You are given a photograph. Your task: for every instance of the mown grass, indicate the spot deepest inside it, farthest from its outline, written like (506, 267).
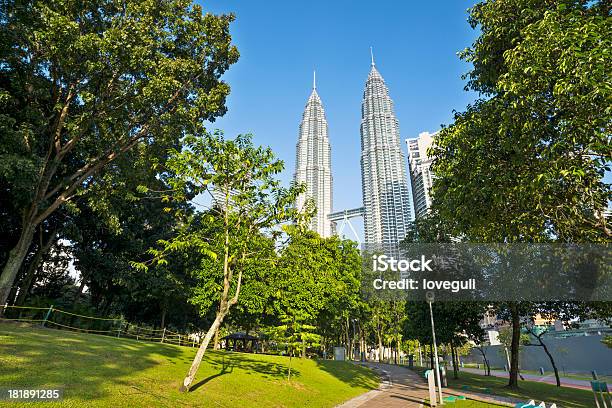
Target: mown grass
(562, 396)
(99, 371)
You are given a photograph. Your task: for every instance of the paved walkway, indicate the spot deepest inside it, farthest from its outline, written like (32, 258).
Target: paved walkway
(403, 388)
(400, 387)
(549, 378)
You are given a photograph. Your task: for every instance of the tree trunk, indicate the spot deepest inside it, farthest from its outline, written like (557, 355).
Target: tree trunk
(514, 349)
(397, 348)
(552, 361)
(216, 340)
(201, 350)
(43, 249)
(163, 318)
(380, 348)
(224, 304)
(14, 261)
(486, 361)
(453, 357)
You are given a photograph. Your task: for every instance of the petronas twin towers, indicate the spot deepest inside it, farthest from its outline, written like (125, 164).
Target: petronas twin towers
(313, 163)
(386, 207)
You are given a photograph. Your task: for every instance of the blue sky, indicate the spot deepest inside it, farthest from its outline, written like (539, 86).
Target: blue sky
(282, 42)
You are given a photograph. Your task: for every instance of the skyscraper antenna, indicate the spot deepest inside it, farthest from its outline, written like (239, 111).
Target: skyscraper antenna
(372, 55)
(314, 79)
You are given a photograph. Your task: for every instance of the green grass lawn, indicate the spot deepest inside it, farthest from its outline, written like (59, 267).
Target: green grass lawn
(99, 371)
(563, 396)
(584, 377)
(576, 376)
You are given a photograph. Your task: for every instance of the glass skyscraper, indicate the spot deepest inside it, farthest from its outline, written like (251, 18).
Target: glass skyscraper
(383, 167)
(421, 177)
(313, 163)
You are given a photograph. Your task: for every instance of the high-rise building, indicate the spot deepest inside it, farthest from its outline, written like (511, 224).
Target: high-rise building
(383, 167)
(420, 171)
(313, 163)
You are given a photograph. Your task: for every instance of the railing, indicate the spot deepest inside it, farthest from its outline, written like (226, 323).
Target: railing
(116, 327)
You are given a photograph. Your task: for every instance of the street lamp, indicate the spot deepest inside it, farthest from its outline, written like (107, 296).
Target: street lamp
(430, 299)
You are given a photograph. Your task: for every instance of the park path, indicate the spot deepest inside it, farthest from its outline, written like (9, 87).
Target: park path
(400, 387)
(548, 379)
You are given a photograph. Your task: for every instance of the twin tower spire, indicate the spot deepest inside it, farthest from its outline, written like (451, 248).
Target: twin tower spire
(383, 168)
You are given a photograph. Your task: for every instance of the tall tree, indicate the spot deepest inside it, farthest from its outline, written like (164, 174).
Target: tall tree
(527, 164)
(81, 83)
(248, 201)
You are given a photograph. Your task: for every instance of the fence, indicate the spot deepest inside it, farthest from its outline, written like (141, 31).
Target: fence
(116, 327)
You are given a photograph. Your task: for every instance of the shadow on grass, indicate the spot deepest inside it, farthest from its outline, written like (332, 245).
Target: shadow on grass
(82, 364)
(349, 373)
(251, 363)
(227, 367)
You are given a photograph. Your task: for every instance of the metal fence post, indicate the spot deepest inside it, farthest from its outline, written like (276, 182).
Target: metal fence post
(47, 315)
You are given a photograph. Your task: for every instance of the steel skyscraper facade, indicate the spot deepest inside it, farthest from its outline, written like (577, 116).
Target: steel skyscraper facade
(383, 167)
(313, 163)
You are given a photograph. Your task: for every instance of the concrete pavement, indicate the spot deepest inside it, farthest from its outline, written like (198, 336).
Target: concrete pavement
(400, 387)
(403, 388)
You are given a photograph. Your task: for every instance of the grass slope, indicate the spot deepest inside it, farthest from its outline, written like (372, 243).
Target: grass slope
(99, 371)
(564, 397)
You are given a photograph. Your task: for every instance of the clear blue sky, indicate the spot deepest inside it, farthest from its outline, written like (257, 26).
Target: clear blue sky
(282, 42)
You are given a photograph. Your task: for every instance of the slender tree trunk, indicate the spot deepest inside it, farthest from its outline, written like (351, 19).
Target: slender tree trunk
(552, 360)
(14, 261)
(216, 339)
(43, 249)
(486, 361)
(224, 304)
(397, 348)
(453, 356)
(380, 348)
(163, 317)
(201, 350)
(514, 349)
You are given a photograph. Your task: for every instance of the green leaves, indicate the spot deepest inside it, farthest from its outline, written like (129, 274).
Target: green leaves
(527, 163)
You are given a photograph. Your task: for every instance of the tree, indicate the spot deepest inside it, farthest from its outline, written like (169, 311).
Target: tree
(247, 201)
(317, 279)
(83, 83)
(479, 343)
(526, 164)
(565, 312)
(295, 335)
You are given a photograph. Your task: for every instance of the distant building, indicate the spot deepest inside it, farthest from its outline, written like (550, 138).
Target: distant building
(420, 172)
(313, 163)
(386, 197)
